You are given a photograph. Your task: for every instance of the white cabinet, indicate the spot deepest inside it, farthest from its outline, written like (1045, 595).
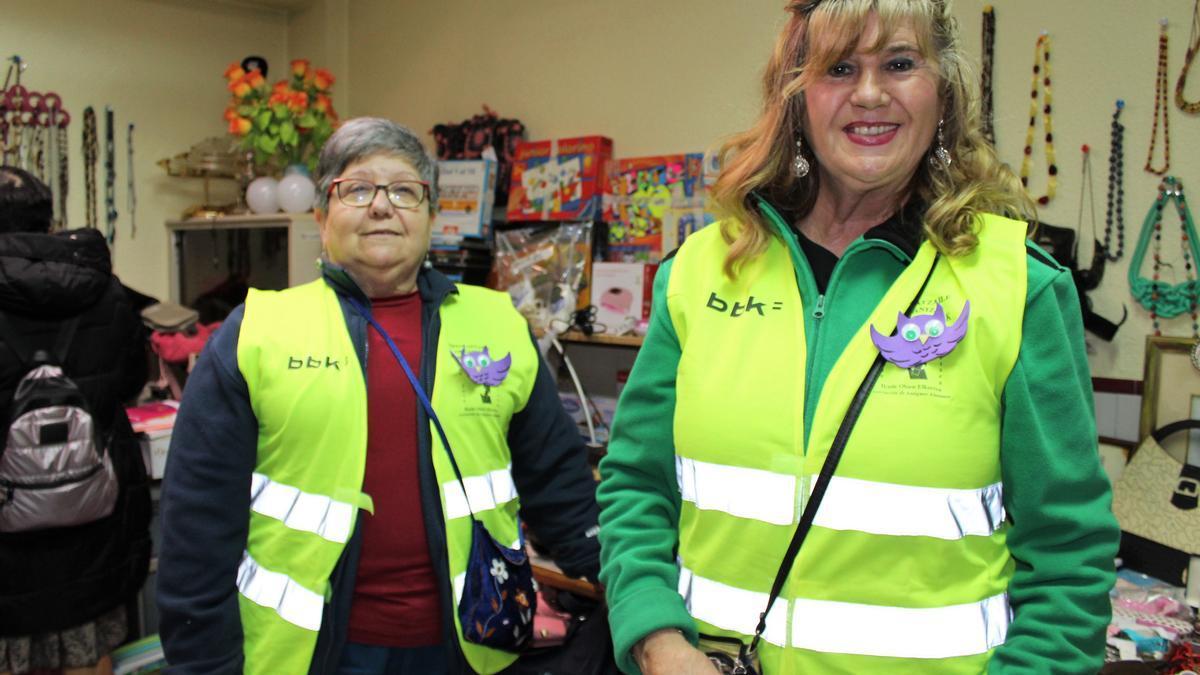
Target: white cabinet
(212, 257)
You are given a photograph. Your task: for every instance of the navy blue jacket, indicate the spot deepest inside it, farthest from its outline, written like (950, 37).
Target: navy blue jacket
(206, 496)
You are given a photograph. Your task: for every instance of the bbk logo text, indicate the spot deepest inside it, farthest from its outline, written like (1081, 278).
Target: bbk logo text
(751, 306)
(313, 362)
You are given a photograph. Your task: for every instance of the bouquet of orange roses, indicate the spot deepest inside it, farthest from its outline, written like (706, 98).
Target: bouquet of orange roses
(286, 124)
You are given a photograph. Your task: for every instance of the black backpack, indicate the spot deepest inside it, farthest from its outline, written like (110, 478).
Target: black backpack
(55, 470)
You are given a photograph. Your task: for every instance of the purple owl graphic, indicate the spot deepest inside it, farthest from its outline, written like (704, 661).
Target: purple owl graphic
(482, 369)
(922, 338)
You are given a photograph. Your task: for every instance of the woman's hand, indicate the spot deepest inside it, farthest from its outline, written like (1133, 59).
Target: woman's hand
(667, 652)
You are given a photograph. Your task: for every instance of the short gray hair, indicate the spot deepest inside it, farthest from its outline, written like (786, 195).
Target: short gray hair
(362, 137)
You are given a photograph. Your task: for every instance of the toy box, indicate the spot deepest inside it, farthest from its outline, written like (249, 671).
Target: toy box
(621, 293)
(652, 204)
(534, 181)
(581, 164)
(466, 193)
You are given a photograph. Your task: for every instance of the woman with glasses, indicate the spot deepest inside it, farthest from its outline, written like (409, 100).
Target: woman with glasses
(870, 292)
(312, 519)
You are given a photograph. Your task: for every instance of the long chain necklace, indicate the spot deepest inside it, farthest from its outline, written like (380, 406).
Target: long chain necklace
(64, 173)
(130, 196)
(1088, 279)
(90, 150)
(1166, 300)
(1041, 77)
(1114, 215)
(110, 178)
(1160, 103)
(1193, 47)
(989, 49)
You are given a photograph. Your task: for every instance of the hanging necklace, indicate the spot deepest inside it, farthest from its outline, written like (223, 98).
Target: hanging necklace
(1160, 103)
(1193, 46)
(130, 196)
(64, 166)
(989, 49)
(110, 178)
(1166, 300)
(1041, 77)
(1088, 279)
(90, 151)
(1114, 215)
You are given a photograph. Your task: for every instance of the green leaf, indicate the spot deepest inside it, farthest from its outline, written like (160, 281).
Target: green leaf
(307, 120)
(287, 132)
(245, 110)
(263, 119)
(280, 110)
(267, 144)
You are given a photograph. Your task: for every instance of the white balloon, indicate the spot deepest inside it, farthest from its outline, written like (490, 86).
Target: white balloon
(262, 195)
(297, 193)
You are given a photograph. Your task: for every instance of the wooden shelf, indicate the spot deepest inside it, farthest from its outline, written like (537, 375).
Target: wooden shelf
(601, 339)
(556, 579)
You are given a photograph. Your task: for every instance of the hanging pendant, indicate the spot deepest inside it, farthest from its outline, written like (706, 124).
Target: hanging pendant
(800, 166)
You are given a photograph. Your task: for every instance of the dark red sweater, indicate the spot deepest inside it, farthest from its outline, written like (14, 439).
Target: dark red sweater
(395, 593)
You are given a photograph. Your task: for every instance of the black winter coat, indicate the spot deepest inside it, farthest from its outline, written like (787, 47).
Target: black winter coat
(58, 578)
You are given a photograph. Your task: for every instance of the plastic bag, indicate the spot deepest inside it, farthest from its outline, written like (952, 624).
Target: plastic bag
(543, 269)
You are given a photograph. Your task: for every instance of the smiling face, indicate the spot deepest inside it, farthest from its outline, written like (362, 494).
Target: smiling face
(872, 115)
(378, 241)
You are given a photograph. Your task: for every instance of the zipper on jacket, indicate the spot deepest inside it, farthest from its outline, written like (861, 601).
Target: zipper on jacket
(819, 310)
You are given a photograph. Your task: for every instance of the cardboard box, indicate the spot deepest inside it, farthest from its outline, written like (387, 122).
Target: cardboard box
(652, 204)
(534, 184)
(466, 195)
(622, 293)
(581, 165)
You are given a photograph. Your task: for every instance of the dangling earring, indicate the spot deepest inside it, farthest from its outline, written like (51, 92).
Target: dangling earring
(940, 159)
(800, 166)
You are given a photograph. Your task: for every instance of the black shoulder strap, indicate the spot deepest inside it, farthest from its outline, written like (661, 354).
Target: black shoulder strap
(24, 351)
(827, 469)
(14, 341)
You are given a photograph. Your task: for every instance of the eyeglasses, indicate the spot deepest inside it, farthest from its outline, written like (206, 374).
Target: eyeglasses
(403, 194)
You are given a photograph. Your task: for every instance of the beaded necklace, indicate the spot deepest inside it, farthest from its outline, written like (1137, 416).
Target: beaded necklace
(130, 195)
(1166, 300)
(1041, 76)
(90, 151)
(1114, 215)
(989, 48)
(1160, 103)
(110, 178)
(1193, 47)
(64, 171)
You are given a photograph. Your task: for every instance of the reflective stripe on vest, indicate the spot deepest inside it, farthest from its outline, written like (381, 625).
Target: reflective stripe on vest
(849, 504)
(299, 510)
(908, 633)
(827, 626)
(483, 492)
(294, 603)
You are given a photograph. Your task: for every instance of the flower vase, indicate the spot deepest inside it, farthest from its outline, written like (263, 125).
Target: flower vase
(297, 192)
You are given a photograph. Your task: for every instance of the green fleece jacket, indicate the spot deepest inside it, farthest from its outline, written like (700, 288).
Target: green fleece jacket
(1063, 535)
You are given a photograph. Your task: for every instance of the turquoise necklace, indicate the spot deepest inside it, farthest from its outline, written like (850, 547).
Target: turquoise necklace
(1167, 300)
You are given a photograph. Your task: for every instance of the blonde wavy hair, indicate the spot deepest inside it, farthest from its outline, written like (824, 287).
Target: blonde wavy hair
(818, 35)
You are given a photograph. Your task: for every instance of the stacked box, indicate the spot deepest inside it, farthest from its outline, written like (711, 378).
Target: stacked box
(652, 204)
(558, 180)
(581, 164)
(466, 193)
(622, 293)
(534, 184)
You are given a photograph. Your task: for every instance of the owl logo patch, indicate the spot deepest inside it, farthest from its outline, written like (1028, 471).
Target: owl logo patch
(921, 338)
(482, 369)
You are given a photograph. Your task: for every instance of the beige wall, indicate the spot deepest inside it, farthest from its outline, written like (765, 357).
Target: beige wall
(682, 76)
(158, 63)
(678, 78)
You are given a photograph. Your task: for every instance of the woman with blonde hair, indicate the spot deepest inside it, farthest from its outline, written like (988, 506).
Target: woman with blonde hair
(859, 437)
